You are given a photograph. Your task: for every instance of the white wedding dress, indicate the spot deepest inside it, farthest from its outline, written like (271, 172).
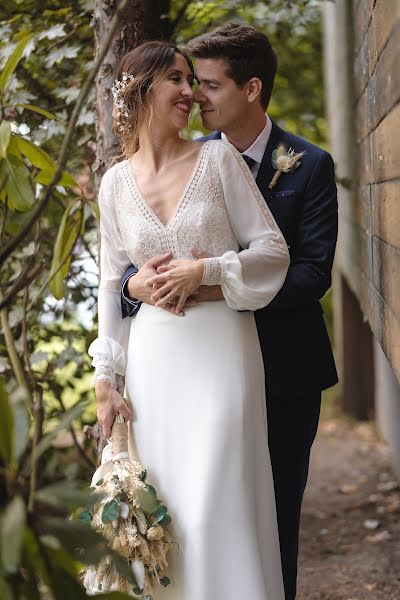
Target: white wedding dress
(196, 383)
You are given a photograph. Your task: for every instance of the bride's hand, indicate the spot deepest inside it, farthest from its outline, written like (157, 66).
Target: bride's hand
(179, 282)
(109, 403)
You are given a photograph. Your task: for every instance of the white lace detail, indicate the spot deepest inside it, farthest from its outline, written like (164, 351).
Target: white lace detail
(104, 373)
(200, 221)
(212, 271)
(110, 285)
(265, 242)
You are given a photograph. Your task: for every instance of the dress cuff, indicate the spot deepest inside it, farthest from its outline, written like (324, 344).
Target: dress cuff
(212, 274)
(108, 360)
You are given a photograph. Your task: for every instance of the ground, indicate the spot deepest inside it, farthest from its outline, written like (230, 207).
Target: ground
(350, 531)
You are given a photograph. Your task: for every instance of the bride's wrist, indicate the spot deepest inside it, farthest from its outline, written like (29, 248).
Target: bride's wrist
(102, 386)
(212, 271)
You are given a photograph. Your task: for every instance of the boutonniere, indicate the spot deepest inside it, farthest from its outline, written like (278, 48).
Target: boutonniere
(284, 162)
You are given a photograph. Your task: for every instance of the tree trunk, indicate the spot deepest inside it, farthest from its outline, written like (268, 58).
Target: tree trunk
(128, 35)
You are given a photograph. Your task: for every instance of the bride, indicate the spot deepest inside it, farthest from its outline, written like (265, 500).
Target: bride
(194, 377)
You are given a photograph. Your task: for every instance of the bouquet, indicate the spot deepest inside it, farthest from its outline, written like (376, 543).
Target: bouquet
(132, 518)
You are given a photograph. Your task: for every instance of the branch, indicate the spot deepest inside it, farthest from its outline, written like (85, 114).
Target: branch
(65, 149)
(24, 279)
(13, 354)
(37, 436)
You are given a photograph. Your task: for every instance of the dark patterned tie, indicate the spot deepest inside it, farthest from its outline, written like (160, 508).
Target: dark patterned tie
(250, 161)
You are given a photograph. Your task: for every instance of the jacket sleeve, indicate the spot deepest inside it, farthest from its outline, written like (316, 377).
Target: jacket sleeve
(129, 306)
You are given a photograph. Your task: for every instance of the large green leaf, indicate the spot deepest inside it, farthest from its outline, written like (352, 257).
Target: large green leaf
(5, 136)
(58, 555)
(68, 417)
(13, 147)
(18, 184)
(39, 110)
(65, 586)
(68, 233)
(6, 426)
(45, 177)
(12, 528)
(36, 155)
(33, 557)
(86, 545)
(13, 61)
(21, 425)
(95, 208)
(66, 494)
(79, 539)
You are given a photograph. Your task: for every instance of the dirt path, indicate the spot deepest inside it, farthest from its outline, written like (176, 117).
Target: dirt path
(350, 534)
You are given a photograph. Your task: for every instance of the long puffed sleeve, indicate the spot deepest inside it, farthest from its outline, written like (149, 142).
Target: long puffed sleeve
(109, 349)
(251, 278)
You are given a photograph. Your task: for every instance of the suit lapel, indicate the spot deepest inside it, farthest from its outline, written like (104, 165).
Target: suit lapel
(266, 170)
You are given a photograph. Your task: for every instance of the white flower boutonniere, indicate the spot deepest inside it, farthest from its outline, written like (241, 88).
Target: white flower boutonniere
(284, 162)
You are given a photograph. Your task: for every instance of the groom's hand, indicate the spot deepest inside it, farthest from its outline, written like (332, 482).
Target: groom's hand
(137, 287)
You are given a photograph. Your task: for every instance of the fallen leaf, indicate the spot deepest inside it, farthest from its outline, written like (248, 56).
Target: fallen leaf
(371, 524)
(348, 488)
(388, 486)
(370, 586)
(382, 536)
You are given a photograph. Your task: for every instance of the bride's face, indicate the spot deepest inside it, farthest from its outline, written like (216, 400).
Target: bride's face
(172, 96)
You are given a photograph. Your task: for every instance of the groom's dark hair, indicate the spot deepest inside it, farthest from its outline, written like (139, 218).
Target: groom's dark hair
(247, 52)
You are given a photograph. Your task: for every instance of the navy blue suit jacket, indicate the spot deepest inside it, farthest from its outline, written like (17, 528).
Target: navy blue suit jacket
(295, 345)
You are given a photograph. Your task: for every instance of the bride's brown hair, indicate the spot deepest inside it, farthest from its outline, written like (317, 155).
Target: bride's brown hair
(146, 64)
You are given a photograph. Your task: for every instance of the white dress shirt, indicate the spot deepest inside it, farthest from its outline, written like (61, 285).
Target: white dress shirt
(257, 148)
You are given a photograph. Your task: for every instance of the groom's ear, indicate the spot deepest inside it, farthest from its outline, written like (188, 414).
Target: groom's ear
(254, 86)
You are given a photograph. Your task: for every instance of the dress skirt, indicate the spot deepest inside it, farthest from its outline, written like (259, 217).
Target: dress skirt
(196, 385)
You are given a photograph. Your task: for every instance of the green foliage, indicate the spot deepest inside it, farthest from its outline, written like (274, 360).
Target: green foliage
(72, 226)
(6, 427)
(13, 61)
(41, 555)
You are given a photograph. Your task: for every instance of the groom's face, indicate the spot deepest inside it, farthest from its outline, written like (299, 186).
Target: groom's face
(223, 103)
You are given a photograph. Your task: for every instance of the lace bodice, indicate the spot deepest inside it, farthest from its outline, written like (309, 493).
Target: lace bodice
(220, 211)
(200, 219)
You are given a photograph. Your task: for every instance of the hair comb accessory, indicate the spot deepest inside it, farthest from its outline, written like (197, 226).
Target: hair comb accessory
(120, 107)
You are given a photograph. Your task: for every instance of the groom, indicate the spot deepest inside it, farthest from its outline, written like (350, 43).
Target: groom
(235, 67)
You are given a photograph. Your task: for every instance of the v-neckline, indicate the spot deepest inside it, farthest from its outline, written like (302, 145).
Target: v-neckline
(181, 200)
